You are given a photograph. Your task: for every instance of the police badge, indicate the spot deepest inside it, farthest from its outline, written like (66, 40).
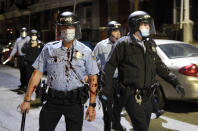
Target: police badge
(78, 55)
(154, 49)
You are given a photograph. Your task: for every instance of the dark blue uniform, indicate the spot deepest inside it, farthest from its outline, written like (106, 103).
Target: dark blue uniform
(31, 55)
(137, 66)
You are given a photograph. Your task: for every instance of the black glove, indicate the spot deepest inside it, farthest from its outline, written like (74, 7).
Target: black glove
(104, 98)
(107, 103)
(180, 89)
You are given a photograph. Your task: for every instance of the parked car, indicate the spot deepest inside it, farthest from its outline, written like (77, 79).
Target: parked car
(182, 59)
(5, 53)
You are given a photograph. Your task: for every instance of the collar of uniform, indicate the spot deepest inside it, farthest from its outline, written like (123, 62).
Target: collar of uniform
(65, 48)
(109, 42)
(137, 40)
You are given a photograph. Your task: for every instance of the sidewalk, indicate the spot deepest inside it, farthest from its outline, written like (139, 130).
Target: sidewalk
(195, 43)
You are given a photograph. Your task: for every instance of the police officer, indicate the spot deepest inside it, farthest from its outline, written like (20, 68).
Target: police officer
(66, 62)
(138, 63)
(32, 49)
(20, 56)
(101, 52)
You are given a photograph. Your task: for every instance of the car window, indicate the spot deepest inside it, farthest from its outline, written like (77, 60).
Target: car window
(179, 50)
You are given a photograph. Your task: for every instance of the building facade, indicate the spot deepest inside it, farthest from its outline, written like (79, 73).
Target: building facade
(94, 15)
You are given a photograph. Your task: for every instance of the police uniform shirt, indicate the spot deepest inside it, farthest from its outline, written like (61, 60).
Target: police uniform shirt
(102, 51)
(18, 45)
(62, 73)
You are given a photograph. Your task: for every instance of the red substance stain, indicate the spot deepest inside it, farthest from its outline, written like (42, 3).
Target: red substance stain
(93, 92)
(34, 89)
(68, 54)
(51, 78)
(55, 58)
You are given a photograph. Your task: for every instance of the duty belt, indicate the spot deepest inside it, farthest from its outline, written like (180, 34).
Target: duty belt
(139, 93)
(62, 94)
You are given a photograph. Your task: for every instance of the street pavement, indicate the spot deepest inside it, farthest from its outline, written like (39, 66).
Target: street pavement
(10, 118)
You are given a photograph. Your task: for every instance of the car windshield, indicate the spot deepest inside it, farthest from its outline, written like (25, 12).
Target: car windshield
(177, 50)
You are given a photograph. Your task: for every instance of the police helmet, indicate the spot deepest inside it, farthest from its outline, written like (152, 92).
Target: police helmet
(111, 26)
(70, 19)
(33, 32)
(138, 17)
(23, 29)
(23, 32)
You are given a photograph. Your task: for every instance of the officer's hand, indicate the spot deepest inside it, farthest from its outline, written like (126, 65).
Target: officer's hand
(25, 106)
(91, 113)
(103, 98)
(34, 44)
(180, 89)
(10, 58)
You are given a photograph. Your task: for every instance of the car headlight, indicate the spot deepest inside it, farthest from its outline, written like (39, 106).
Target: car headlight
(5, 50)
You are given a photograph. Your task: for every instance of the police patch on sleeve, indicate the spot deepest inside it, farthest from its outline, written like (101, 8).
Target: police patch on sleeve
(93, 56)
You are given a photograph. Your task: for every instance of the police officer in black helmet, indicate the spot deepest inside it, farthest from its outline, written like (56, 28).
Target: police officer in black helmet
(32, 49)
(19, 43)
(137, 61)
(102, 51)
(66, 62)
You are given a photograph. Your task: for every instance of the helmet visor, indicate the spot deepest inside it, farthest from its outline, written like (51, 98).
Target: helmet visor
(148, 20)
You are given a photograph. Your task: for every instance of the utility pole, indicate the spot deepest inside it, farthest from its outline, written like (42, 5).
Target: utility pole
(188, 24)
(174, 12)
(136, 5)
(74, 8)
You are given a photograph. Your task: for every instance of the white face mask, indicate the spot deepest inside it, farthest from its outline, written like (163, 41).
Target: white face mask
(145, 32)
(34, 38)
(24, 34)
(68, 34)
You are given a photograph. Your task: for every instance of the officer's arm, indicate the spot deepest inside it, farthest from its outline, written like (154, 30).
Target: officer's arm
(33, 83)
(96, 52)
(109, 69)
(165, 73)
(14, 50)
(93, 85)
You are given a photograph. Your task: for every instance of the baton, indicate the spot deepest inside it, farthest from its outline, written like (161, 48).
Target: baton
(6, 61)
(23, 121)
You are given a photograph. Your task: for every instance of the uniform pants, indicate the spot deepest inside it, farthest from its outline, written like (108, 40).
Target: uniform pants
(117, 109)
(22, 69)
(139, 114)
(113, 122)
(51, 113)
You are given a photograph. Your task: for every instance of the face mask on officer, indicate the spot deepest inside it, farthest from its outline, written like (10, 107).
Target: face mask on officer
(68, 34)
(24, 34)
(34, 37)
(144, 29)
